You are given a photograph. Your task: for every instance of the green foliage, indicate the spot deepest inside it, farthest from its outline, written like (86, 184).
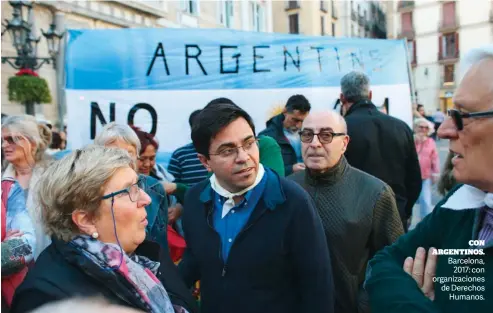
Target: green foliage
(28, 89)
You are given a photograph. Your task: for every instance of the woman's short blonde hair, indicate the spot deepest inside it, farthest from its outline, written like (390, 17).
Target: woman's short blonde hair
(112, 132)
(420, 121)
(76, 182)
(37, 133)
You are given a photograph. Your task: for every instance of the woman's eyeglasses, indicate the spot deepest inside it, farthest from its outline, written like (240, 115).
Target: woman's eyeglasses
(133, 191)
(458, 116)
(324, 137)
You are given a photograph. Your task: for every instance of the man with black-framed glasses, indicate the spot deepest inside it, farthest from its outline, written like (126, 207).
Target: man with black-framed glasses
(358, 211)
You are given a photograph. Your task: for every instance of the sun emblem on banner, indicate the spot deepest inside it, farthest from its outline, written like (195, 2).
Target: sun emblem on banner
(276, 109)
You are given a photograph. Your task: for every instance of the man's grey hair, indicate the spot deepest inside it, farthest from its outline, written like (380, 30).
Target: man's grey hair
(76, 182)
(113, 131)
(473, 57)
(355, 86)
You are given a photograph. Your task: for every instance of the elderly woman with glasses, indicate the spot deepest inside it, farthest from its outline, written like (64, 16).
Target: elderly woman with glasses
(429, 163)
(445, 264)
(123, 137)
(94, 208)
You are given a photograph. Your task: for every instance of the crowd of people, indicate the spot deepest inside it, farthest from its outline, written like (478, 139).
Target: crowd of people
(310, 215)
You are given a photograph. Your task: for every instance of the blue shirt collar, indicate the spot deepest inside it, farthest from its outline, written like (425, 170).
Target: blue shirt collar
(272, 196)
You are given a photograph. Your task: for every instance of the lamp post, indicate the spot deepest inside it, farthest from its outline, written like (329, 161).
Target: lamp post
(25, 42)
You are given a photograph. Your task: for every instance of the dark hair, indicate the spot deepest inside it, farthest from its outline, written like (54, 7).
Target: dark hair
(298, 102)
(221, 100)
(145, 139)
(56, 141)
(420, 106)
(212, 119)
(193, 116)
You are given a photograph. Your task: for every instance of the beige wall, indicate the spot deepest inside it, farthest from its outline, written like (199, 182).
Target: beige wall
(309, 17)
(109, 14)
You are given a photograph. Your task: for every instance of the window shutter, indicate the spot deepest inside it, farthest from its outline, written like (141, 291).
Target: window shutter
(440, 47)
(414, 52)
(448, 13)
(457, 51)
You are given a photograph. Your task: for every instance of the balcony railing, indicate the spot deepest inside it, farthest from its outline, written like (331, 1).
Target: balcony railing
(448, 57)
(444, 27)
(291, 5)
(409, 34)
(405, 5)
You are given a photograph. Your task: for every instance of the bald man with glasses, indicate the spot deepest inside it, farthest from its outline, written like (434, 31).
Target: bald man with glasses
(358, 211)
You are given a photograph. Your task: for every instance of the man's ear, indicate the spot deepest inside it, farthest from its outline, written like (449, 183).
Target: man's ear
(341, 97)
(370, 95)
(205, 161)
(84, 221)
(345, 141)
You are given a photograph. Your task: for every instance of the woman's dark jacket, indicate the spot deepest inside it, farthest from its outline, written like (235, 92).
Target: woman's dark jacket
(62, 272)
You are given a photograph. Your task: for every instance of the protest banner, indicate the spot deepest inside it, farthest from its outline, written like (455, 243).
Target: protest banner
(154, 78)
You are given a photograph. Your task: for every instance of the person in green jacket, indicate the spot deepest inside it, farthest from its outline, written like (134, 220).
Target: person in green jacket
(446, 263)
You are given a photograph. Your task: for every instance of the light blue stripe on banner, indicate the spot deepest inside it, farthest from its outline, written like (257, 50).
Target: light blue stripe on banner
(122, 59)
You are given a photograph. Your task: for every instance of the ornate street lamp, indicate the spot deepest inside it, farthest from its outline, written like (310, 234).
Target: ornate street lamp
(25, 41)
(26, 87)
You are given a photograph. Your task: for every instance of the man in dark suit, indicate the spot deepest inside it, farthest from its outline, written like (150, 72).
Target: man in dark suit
(381, 145)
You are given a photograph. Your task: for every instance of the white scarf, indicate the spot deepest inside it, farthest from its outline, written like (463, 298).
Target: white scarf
(469, 197)
(230, 202)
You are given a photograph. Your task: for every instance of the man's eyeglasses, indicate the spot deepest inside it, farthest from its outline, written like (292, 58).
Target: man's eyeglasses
(133, 191)
(232, 152)
(324, 137)
(458, 116)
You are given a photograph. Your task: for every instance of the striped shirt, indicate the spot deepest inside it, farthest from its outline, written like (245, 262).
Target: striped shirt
(186, 167)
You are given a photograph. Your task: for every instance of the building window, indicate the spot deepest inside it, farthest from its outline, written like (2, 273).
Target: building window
(364, 14)
(334, 29)
(322, 25)
(449, 74)
(323, 6)
(352, 30)
(190, 6)
(449, 46)
(257, 17)
(448, 14)
(226, 13)
(294, 24)
(293, 5)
